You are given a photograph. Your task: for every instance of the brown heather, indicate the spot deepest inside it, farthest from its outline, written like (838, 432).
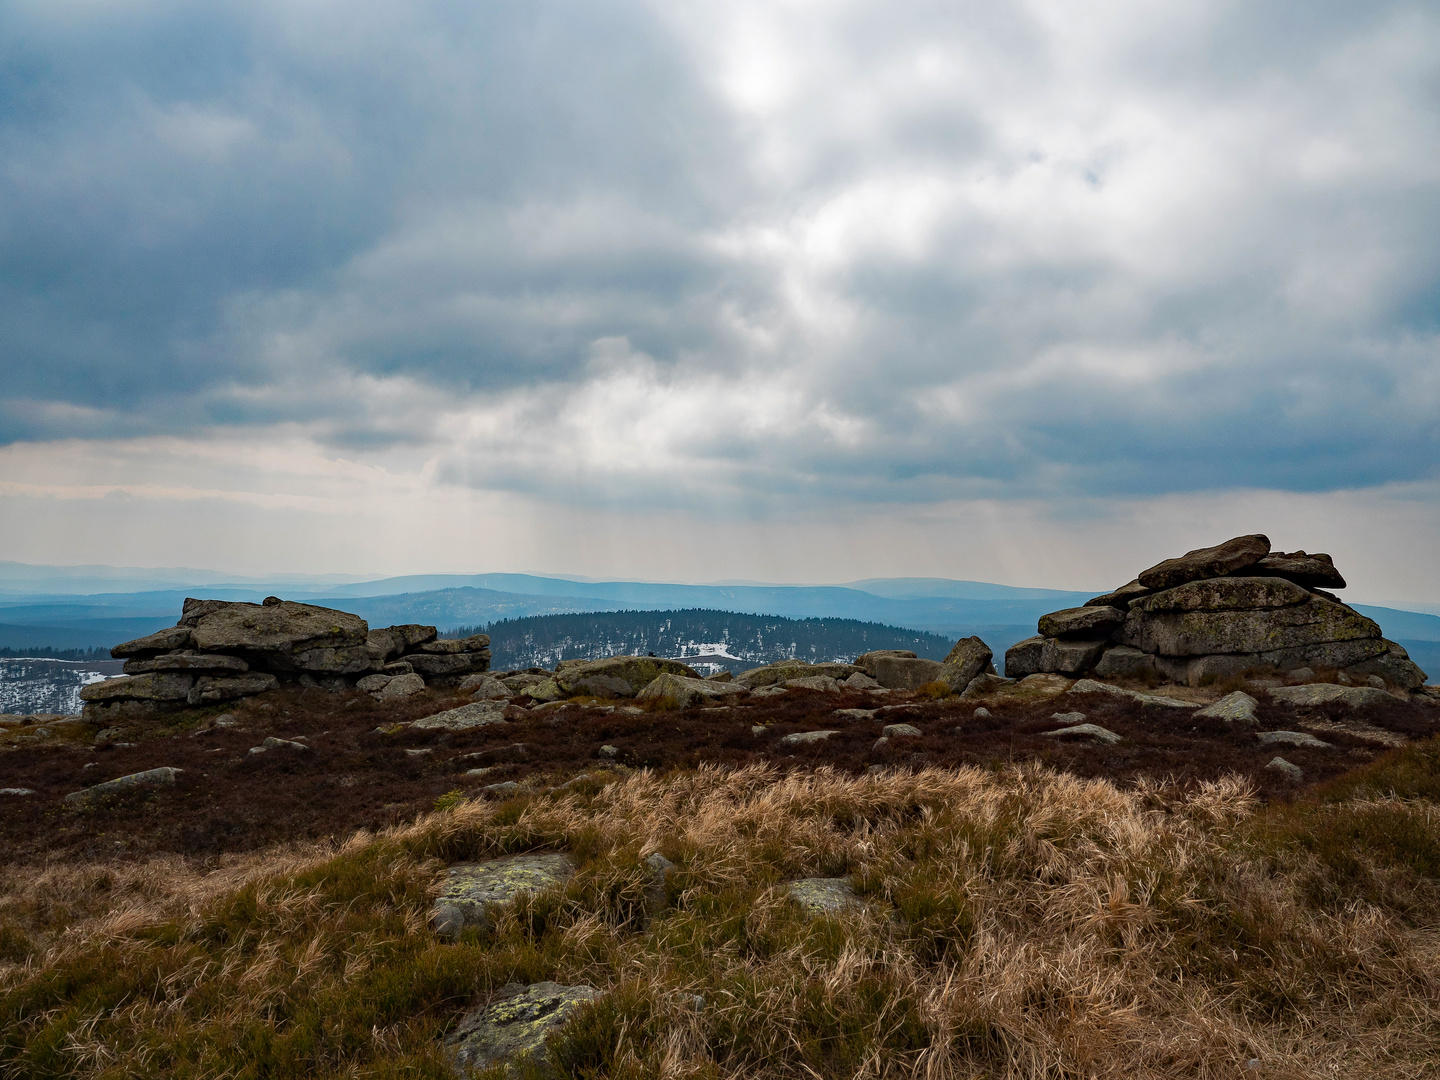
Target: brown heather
(1019, 922)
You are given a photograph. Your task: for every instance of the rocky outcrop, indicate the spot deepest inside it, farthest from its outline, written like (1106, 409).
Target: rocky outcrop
(222, 650)
(616, 676)
(1213, 613)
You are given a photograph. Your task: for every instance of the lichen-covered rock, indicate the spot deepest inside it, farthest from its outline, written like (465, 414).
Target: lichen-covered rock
(150, 778)
(171, 639)
(1024, 657)
(401, 686)
(186, 660)
(1286, 769)
(985, 685)
(1238, 707)
(682, 692)
(1224, 594)
(1394, 666)
(544, 691)
(1125, 662)
(210, 689)
(783, 671)
(1355, 697)
(470, 887)
(1205, 633)
(823, 896)
(476, 714)
(513, 1028)
(456, 666)
(1209, 562)
(1081, 622)
(617, 676)
(905, 673)
(866, 661)
(279, 629)
(968, 658)
(327, 660)
(156, 686)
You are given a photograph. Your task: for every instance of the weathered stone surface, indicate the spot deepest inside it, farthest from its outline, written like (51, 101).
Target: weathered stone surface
(513, 1029)
(1024, 657)
(783, 671)
(1313, 571)
(401, 686)
(483, 686)
(545, 691)
(617, 676)
(1043, 684)
(866, 661)
(1069, 657)
(1125, 662)
(372, 683)
(393, 641)
(1121, 597)
(470, 887)
(1206, 633)
(1224, 594)
(448, 665)
(1291, 738)
(984, 686)
(683, 692)
(279, 629)
(170, 639)
(272, 743)
(896, 731)
(1196, 671)
(522, 681)
(823, 896)
(186, 660)
(476, 714)
(803, 738)
(1393, 666)
(1085, 731)
(150, 778)
(157, 686)
(821, 684)
(905, 673)
(209, 689)
(1091, 686)
(855, 714)
(1208, 562)
(1238, 707)
(1082, 622)
(1280, 765)
(861, 681)
(968, 658)
(1324, 693)
(326, 660)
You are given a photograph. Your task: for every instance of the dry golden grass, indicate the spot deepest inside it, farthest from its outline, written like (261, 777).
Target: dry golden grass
(1017, 923)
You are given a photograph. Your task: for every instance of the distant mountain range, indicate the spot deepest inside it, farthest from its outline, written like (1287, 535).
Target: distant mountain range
(86, 607)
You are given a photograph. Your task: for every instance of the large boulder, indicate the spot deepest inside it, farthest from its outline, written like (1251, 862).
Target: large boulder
(1025, 657)
(157, 686)
(681, 692)
(1256, 630)
(782, 671)
(1313, 571)
(442, 667)
(1069, 657)
(616, 676)
(866, 661)
(1393, 665)
(968, 659)
(278, 629)
(1092, 621)
(906, 673)
(1224, 594)
(1208, 562)
(170, 639)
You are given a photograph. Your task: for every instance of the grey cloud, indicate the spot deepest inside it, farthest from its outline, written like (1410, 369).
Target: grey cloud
(939, 251)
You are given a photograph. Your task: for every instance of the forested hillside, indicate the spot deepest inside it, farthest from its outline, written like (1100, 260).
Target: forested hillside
(718, 638)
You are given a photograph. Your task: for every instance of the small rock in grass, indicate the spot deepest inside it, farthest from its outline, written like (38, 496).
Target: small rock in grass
(875, 770)
(801, 738)
(272, 743)
(1069, 717)
(861, 681)
(982, 713)
(823, 896)
(1237, 707)
(401, 686)
(515, 1027)
(484, 770)
(759, 729)
(1291, 738)
(892, 731)
(1280, 765)
(470, 887)
(224, 720)
(1085, 731)
(421, 752)
(854, 714)
(150, 778)
(1300, 674)
(16, 791)
(608, 751)
(880, 744)
(1325, 693)
(503, 788)
(476, 714)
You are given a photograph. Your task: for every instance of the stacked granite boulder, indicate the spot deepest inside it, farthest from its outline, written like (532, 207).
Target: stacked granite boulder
(1216, 612)
(221, 650)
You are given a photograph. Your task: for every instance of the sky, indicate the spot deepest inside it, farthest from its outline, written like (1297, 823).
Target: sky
(1030, 292)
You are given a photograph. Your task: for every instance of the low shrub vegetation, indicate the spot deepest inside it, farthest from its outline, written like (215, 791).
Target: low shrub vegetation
(1010, 921)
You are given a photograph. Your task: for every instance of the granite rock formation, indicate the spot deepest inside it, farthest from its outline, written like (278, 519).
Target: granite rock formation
(1216, 612)
(221, 650)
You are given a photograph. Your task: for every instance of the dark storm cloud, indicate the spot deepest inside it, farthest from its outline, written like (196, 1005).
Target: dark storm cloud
(631, 254)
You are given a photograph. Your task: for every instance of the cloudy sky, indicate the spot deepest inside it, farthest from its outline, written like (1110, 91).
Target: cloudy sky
(1035, 292)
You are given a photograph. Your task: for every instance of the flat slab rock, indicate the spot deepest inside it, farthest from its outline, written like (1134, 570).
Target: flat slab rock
(1291, 738)
(1093, 686)
(1085, 731)
(476, 714)
(469, 887)
(823, 896)
(1325, 693)
(1237, 707)
(801, 738)
(150, 778)
(514, 1027)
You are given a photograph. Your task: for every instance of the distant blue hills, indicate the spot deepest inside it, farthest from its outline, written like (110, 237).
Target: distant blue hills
(86, 607)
